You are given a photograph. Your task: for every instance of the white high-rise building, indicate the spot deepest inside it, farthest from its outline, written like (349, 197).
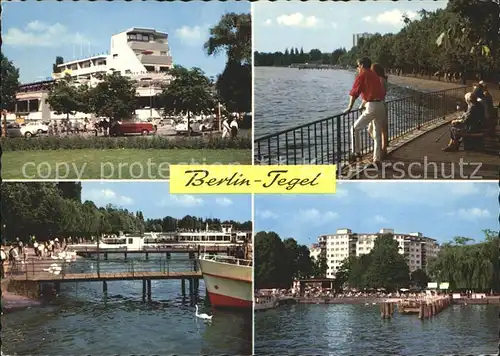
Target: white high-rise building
(344, 243)
(357, 36)
(141, 54)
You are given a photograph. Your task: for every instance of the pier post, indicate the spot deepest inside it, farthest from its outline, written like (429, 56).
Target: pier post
(149, 290)
(105, 256)
(143, 290)
(195, 265)
(191, 255)
(105, 288)
(421, 312)
(183, 287)
(191, 288)
(125, 255)
(147, 255)
(58, 288)
(168, 255)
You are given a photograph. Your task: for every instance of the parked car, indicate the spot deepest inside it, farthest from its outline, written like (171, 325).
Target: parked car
(26, 130)
(196, 126)
(122, 128)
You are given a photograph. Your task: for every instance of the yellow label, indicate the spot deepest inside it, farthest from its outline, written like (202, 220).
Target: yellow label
(216, 179)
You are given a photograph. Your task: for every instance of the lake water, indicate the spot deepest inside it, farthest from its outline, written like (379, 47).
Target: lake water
(288, 97)
(359, 330)
(82, 322)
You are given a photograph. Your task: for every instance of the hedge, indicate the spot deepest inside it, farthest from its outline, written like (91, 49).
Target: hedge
(138, 142)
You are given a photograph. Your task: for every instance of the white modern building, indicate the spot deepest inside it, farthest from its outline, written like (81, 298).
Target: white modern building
(357, 36)
(344, 243)
(139, 53)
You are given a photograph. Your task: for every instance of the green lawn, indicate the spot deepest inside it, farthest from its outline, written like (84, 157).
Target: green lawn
(111, 163)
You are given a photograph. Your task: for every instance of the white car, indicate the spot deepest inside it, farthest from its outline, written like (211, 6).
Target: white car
(26, 130)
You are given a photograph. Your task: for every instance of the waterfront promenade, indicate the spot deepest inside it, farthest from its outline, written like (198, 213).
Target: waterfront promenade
(418, 131)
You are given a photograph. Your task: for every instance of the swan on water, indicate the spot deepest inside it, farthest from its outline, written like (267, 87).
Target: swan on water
(203, 316)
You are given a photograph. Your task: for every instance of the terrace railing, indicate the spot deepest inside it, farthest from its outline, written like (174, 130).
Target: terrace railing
(328, 140)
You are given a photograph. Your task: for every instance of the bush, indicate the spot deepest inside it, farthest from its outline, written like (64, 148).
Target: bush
(138, 142)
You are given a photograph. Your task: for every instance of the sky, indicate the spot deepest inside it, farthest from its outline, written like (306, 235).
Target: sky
(34, 33)
(439, 210)
(328, 26)
(154, 200)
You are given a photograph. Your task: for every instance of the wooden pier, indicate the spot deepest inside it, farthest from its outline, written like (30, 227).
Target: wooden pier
(51, 273)
(425, 308)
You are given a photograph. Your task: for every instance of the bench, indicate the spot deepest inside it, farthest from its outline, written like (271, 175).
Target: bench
(487, 139)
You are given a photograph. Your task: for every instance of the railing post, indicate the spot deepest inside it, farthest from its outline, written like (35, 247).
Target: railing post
(33, 266)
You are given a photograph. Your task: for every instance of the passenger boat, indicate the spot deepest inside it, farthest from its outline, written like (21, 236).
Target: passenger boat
(226, 237)
(229, 279)
(265, 302)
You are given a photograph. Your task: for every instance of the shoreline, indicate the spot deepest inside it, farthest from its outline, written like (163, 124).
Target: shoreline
(377, 300)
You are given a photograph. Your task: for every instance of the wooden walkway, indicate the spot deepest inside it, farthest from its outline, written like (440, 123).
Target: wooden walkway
(105, 276)
(422, 158)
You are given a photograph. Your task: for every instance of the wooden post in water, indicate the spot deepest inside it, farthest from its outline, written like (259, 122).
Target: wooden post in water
(149, 290)
(105, 256)
(191, 288)
(183, 287)
(421, 311)
(125, 255)
(147, 255)
(105, 288)
(58, 288)
(143, 290)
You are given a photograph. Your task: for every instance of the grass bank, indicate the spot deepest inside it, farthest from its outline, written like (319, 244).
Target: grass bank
(122, 163)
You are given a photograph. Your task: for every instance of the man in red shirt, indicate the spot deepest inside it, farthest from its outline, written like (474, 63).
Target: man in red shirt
(369, 86)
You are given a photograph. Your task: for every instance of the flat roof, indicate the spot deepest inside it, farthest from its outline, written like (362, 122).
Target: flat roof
(84, 59)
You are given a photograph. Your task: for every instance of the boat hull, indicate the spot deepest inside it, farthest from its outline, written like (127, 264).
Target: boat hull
(228, 285)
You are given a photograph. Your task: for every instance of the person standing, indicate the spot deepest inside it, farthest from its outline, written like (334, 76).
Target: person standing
(367, 85)
(226, 129)
(379, 70)
(234, 127)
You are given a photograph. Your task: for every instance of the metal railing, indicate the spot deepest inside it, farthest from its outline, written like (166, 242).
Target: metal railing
(51, 269)
(328, 140)
(174, 247)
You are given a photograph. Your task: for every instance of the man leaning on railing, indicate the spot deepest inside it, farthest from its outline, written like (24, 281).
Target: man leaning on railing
(367, 85)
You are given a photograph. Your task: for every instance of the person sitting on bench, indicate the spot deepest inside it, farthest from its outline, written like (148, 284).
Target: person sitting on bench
(470, 122)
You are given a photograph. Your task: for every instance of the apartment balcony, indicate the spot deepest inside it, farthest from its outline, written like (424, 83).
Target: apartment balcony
(149, 46)
(149, 59)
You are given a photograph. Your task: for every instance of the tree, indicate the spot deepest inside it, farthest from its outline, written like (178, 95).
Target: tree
(469, 266)
(234, 87)
(271, 268)
(63, 97)
(233, 35)
(388, 269)
(419, 278)
(9, 86)
(70, 190)
(54, 209)
(113, 97)
(188, 92)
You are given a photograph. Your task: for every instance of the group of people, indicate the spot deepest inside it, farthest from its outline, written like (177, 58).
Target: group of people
(17, 253)
(371, 85)
(480, 116)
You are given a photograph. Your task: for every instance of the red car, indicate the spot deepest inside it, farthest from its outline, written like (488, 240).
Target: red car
(132, 128)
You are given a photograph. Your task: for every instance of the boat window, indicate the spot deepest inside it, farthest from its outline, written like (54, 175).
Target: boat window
(130, 241)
